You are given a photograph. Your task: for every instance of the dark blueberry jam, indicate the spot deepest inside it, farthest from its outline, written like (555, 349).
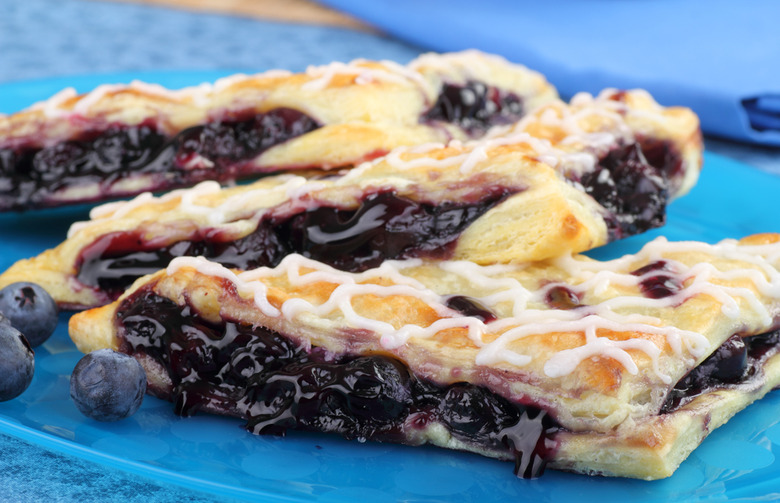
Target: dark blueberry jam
(663, 156)
(264, 378)
(632, 191)
(660, 285)
(657, 266)
(735, 362)
(562, 297)
(385, 226)
(469, 306)
(212, 151)
(475, 107)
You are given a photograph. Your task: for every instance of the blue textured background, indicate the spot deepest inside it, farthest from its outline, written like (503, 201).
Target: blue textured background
(45, 38)
(41, 39)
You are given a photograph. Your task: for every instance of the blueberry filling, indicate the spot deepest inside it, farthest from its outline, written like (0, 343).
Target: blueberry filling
(662, 155)
(264, 378)
(737, 361)
(562, 297)
(385, 226)
(469, 306)
(632, 191)
(658, 286)
(654, 286)
(29, 176)
(475, 107)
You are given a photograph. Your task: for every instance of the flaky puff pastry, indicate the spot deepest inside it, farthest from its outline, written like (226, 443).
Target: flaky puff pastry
(599, 346)
(121, 140)
(523, 198)
(670, 137)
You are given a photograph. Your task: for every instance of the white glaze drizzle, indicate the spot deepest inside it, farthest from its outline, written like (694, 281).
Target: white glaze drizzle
(188, 202)
(501, 288)
(200, 95)
(765, 278)
(470, 160)
(392, 72)
(231, 80)
(87, 101)
(469, 62)
(52, 106)
(588, 145)
(469, 157)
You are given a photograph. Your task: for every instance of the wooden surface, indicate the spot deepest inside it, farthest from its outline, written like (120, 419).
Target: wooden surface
(297, 11)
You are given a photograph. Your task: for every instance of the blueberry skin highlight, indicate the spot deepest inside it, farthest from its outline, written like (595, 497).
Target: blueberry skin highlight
(31, 310)
(107, 385)
(17, 362)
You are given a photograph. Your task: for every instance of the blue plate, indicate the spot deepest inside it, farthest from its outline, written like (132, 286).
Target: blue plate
(215, 455)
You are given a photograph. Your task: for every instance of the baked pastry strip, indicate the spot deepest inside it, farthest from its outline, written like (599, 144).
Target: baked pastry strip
(121, 140)
(670, 137)
(511, 198)
(615, 368)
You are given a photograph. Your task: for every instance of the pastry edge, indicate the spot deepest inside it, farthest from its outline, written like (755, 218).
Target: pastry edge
(649, 448)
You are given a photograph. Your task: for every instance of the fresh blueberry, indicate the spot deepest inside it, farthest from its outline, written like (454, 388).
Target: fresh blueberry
(107, 385)
(17, 363)
(30, 309)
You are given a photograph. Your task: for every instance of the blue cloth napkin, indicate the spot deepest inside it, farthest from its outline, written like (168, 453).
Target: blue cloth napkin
(719, 57)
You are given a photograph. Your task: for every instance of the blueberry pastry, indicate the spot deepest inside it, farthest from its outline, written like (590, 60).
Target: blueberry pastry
(121, 140)
(670, 137)
(582, 181)
(616, 368)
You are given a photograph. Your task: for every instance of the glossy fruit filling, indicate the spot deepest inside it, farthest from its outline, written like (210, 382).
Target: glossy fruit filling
(384, 226)
(633, 192)
(469, 306)
(475, 107)
(663, 156)
(266, 379)
(214, 151)
(661, 283)
(562, 297)
(275, 385)
(30, 176)
(737, 361)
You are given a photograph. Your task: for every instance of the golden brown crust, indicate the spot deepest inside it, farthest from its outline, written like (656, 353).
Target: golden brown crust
(602, 370)
(653, 448)
(545, 216)
(334, 116)
(627, 114)
(379, 103)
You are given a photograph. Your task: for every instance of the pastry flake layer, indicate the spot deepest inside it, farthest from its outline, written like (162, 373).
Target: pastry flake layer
(121, 140)
(565, 179)
(615, 368)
